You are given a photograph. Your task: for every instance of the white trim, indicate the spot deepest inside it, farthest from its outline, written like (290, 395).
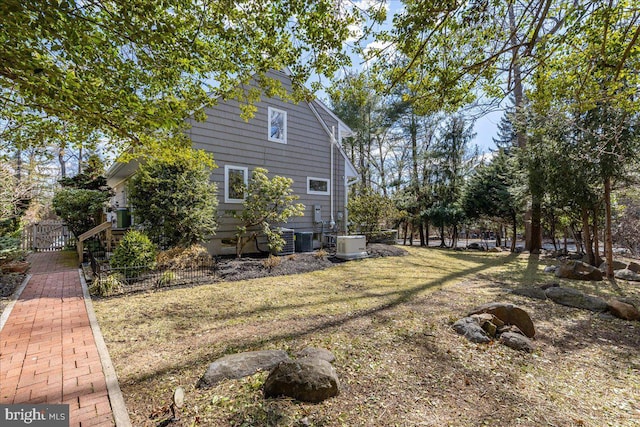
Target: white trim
(282, 140)
(227, 168)
(318, 193)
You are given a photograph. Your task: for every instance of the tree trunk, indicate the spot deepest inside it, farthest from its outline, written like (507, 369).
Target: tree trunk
(608, 238)
(596, 240)
(421, 231)
(586, 236)
(406, 228)
(426, 227)
(63, 166)
(514, 221)
(534, 237)
(443, 244)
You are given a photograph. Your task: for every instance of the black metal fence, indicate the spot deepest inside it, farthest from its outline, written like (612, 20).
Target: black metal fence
(142, 278)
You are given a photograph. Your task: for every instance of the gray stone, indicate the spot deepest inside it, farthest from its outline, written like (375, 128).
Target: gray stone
(240, 365)
(517, 342)
(623, 310)
(495, 249)
(316, 353)
(471, 330)
(617, 265)
(509, 314)
(627, 274)
(574, 298)
(550, 268)
(577, 270)
(307, 380)
(634, 266)
(535, 293)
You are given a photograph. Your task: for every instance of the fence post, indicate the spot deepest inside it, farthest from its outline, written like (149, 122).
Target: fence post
(34, 238)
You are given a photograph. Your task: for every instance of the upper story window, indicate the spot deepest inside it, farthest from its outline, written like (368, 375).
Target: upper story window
(277, 125)
(318, 186)
(235, 182)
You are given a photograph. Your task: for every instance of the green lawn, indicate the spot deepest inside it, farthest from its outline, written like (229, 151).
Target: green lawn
(388, 321)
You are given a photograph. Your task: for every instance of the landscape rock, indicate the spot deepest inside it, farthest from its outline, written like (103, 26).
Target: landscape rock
(617, 265)
(627, 274)
(577, 270)
(634, 266)
(316, 353)
(550, 268)
(240, 365)
(475, 246)
(535, 293)
(495, 249)
(307, 380)
(471, 330)
(623, 310)
(574, 298)
(509, 314)
(517, 342)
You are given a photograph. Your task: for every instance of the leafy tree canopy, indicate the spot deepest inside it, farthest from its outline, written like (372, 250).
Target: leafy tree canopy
(132, 68)
(174, 199)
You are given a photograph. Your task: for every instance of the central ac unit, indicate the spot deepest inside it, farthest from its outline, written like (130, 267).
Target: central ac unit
(289, 241)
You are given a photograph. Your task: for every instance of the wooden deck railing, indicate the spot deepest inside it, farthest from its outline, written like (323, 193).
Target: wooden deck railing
(105, 226)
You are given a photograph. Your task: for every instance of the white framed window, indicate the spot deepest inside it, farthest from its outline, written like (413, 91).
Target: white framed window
(319, 186)
(277, 125)
(236, 179)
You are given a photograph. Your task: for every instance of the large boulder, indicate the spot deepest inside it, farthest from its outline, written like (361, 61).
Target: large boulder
(308, 380)
(577, 270)
(634, 266)
(617, 265)
(316, 353)
(509, 314)
(623, 310)
(574, 298)
(536, 293)
(627, 274)
(240, 365)
(517, 341)
(471, 330)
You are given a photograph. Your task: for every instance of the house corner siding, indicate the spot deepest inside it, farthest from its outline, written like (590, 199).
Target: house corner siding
(307, 153)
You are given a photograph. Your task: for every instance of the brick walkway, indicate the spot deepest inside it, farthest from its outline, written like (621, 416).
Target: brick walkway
(48, 353)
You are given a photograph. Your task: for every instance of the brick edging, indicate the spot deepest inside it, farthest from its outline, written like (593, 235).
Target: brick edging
(118, 407)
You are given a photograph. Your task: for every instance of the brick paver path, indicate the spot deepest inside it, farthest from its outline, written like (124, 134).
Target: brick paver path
(47, 350)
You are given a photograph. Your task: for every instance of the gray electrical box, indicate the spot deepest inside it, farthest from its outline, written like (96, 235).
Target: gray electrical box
(317, 213)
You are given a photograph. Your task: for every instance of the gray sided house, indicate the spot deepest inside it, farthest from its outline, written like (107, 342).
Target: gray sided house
(301, 141)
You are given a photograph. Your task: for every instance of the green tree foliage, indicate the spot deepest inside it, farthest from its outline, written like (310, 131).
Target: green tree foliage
(81, 209)
(14, 200)
(369, 213)
(488, 192)
(135, 253)
(129, 69)
(173, 198)
(268, 202)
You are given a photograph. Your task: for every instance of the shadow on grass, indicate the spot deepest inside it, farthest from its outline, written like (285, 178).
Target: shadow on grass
(396, 297)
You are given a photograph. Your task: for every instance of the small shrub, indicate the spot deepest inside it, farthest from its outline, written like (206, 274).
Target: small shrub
(107, 285)
(167, 278)
(321, 253)
(180, 258)
(134, 253)
(271, 262)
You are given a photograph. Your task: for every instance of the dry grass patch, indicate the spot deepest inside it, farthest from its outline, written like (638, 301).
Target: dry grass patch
(388, 321)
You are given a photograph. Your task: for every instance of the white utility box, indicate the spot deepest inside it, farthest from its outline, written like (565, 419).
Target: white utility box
(351, 247)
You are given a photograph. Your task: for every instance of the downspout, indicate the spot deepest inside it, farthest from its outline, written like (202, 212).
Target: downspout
(332, 224)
